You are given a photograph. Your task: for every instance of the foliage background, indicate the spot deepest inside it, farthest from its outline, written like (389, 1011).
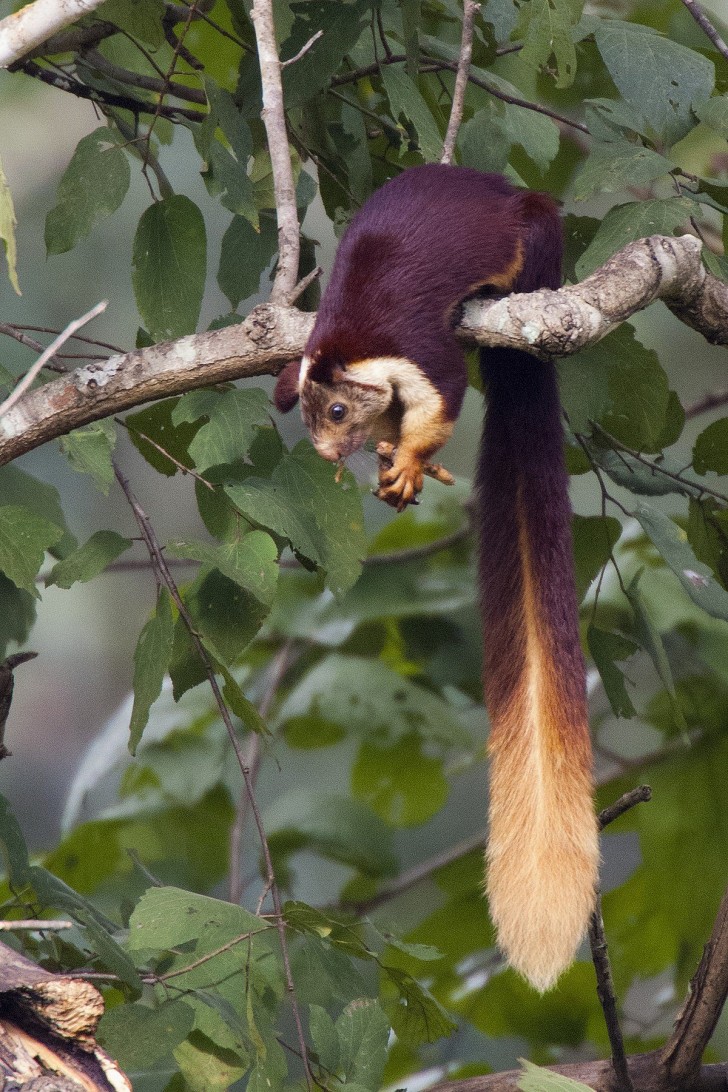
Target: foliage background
(428, 615)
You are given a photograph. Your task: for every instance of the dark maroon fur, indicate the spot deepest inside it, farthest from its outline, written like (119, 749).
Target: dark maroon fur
(522, 455)
(418, 246)
(285, 394)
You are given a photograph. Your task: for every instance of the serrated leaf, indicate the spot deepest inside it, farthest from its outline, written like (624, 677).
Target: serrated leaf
(594, 539)
(24, 539)
(19, 487)
(89, 560)
(89, 451)
(234, 418)
(244, 256)
(536, 1079)
(549, 35)
(363, 1032)
(714, 113)
(151, 660)
(367, 697)
(166, 917)
(169, 267)
(651, 641)
(662, 78)
(635, 220)
(342, 23)
(159, 423)
(613, 167)
(417, 1017)
(138, 1036)
(7, 230)
(672, 544)
(320, 517)
(92, 187)
(406, 100)
(250, 562)
(711, 448)
(605, 648)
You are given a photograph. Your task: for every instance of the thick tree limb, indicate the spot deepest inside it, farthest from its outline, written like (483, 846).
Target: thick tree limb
(545, 323)
(27, 28)
(554, 324)
(645, 1071)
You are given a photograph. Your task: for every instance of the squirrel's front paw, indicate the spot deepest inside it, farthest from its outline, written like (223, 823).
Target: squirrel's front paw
(400, 483)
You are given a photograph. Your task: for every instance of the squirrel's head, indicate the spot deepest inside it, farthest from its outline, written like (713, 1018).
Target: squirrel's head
(338, 409)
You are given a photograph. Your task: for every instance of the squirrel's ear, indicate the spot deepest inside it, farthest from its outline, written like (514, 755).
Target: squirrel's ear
(285, 394)
(325, 370)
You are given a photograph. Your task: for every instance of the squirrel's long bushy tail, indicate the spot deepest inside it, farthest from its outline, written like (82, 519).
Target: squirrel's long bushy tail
(542, 856)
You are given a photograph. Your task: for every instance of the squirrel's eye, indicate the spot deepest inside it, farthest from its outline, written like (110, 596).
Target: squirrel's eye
(337, 412)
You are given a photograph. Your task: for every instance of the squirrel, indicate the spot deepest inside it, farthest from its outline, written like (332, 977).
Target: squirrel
(383, 363)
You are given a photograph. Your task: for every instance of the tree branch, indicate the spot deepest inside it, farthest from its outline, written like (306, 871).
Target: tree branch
(27, 28)
(470, 10)
(274, 119)
(545, 323)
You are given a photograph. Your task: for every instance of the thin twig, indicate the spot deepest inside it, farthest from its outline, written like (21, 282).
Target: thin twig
(600, 955)
(164, 575)
(710, 401)
(303, 50)
(211, 955)
(163, 87)
(53, 365)
(276, 671)
(470, 10)
(707, 27)
(34, 923)
(274, 119)
(303, 284)
(707, 994)
(27, 380)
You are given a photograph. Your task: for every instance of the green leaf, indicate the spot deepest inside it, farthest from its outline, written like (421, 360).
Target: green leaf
(234, 418)
(250, 562)
(337, 827)
(24, 539)
(405, 99)
(417, 1017)
(89, 451)
(549, 35)
(206, 1066)
(635, 220)
(536, 1079)
(367, 697)
(400, 783)
(93, 186)
(613, 167)
(244, 257)
(711, 448)
(594, 540)
(342, 23)
(324, 1038)
(89, 560)
(363, 1032)
(166, 917)
(13, 848)
(652, 479)
(139, 18)
(650, 639)
(17, 614)
(320, 517)
(138, 1036)
(169, 267)
(159, 424)
(7, 230)
(672, 544)
(151, 660)
(606, 647)
(661, 78)
(714, 113)
(19, 487)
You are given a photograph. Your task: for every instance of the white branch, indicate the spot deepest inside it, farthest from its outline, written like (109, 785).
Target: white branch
(545, 323)
(274, 119)
(27, 28)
